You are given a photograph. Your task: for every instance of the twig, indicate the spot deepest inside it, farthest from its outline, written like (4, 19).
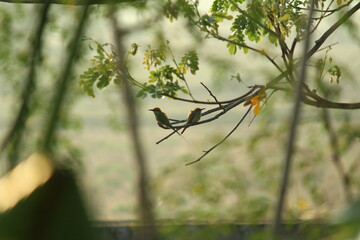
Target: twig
(322, 39)
(323, 16)
(223, 109)
(216, 145)
(211, 94)
(163, 139)
(318, 44)
(177, 66)
(324, 11)
(253, 88)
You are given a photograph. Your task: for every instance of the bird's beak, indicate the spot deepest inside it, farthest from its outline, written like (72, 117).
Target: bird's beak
(151, 110)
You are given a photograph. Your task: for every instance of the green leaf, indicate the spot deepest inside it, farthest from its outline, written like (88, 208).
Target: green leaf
(184, 90)
(232, 48)
(273, 39)
(246, 50)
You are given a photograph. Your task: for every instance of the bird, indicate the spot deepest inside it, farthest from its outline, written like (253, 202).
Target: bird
(193, 117)
(162, 119)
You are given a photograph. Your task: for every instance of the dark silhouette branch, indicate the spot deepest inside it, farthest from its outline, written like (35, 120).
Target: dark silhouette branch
(16, 131)
(211, 94)
(226, 137)
(323, 103)
(253, 88)
(62, 85)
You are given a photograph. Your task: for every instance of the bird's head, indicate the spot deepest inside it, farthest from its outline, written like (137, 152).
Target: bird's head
(199, 109)
(155, 110)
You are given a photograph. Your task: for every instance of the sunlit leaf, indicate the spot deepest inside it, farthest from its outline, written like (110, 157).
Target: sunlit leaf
(232, 48)
(284, 17)
(257, 109)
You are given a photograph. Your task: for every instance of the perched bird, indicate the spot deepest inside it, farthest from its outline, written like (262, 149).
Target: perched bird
(161, 118)
(193, 117)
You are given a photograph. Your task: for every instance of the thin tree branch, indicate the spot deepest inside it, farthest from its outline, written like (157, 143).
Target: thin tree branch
(332, 29)
(253, 88)
(145, 207)
(180, 72)
(253, 19)
(323, 16)
(327, 10)
(211, 94)
(323, 103)
(319, 42)
(61, 88)
(226, 137)
(223, 110)
(262, 52)
(293, 132)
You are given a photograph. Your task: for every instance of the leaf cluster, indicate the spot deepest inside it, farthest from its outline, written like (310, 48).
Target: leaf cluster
(102, 70)
(166, 78)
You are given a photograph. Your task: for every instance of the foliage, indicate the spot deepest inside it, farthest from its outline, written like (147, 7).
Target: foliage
(164, 78)
(102, 70)
(242, 25)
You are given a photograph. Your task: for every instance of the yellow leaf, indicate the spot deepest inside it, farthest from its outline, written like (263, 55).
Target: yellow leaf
(339, 2)
(257, 108)
(302, 204)
(284, 17)
(331, 79)
(255, 100)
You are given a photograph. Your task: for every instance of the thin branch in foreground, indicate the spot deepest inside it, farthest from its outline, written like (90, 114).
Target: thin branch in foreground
(287, 164)
(63, 83)
(16, 131)
(226, 137)
(163, 139)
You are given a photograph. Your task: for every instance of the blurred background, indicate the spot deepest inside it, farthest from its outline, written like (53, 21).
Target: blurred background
(238, 181)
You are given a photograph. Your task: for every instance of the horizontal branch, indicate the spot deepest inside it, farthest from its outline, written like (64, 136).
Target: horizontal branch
(253, 88)
(323, 103)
